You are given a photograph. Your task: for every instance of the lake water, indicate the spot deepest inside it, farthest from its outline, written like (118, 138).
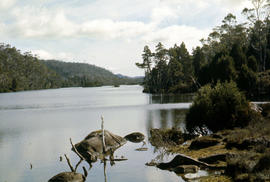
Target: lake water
(35, 127)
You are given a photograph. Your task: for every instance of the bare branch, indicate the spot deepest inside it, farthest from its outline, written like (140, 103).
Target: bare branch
(77, 165)
(69, 164)
(75, 150)
(103, 137)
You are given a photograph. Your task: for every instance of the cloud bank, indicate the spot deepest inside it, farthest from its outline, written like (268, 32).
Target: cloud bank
(80, 30)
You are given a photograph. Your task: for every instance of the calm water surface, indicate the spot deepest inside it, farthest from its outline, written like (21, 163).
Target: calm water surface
(35, 127)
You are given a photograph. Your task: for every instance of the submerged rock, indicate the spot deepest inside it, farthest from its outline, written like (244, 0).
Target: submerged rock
(91, 148)
(68, 177)
(135, 137)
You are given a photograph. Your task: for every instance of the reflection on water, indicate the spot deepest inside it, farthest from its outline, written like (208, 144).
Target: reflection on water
(167, 98)
(35, 127)
(166, 118)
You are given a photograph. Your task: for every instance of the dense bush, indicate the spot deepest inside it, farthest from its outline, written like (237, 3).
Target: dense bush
(219, 107)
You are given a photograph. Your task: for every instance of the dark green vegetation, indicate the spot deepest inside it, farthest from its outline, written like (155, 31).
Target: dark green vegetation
(86, 75)
(233, 51)
(22, 71)
(239, 154)
(219, 107)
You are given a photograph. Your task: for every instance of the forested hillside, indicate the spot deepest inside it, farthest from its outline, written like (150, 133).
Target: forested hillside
(23, 71)
(233, 51)
(86, 75)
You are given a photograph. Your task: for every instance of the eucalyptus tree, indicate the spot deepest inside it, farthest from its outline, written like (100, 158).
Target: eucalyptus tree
(258, 17)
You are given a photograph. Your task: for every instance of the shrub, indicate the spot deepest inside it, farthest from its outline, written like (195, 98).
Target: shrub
(219, 107)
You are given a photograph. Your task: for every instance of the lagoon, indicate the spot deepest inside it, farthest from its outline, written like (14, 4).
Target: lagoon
(35, 127)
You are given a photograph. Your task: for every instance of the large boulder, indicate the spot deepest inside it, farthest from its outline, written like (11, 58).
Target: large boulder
(91, 148)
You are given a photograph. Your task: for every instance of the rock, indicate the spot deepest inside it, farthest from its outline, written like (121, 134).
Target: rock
(217, 136)
(181, 160)
(248, 143)
(135, 137)
(122, 159)
(263, 163)
(213, 159)
(141, 149)
(203, 142)
(182, 169)
(242, 178)
(151, 163)
(91, 148)
(68, 177)
(255, 107)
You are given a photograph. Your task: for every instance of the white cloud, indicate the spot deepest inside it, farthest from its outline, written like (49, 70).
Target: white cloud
(107, 28)
(177, 34)
(43, 54)
(108, 33)
(5, 4)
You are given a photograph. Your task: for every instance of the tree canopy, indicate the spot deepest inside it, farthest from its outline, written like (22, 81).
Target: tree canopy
(233, 51)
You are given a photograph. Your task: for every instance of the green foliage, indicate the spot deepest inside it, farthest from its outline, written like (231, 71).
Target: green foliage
(232, 51)
(238, 56)
(219, 107)
(247, 80)
(252, 63)
(25, 72)
(224, 69)
(172, 71)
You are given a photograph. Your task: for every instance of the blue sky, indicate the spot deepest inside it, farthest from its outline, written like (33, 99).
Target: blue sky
(109, 33)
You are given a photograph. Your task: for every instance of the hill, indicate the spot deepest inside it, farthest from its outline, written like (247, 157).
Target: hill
(23, 71)
(87, 75)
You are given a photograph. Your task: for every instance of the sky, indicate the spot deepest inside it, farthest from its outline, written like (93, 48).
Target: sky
(109, 33)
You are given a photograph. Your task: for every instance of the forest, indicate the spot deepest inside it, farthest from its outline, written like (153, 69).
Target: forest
(233, 51)
(23, 71)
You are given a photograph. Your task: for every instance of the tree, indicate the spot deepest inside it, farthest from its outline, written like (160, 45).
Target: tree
(220, 107)
(247, 80)
(199, 60)
(147, 60)
(252, 63)
(225, 70)
(238, 56)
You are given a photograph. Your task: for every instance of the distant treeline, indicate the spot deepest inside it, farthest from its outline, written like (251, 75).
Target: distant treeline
(23, 71)
(233, 51)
